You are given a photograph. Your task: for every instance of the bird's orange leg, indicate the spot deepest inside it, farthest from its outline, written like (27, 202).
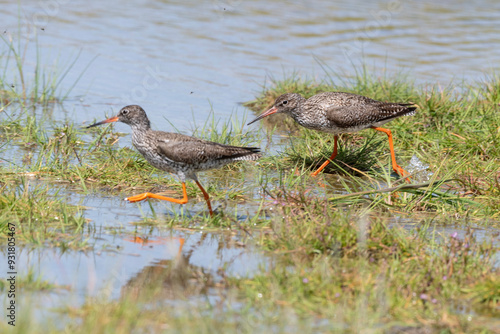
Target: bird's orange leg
(398, 169)
(207, 198)
(181, 244)
(334, 154)
(144, 196)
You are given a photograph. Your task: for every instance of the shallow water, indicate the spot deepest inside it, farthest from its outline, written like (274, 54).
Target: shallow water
(183, 60)
(126, 256)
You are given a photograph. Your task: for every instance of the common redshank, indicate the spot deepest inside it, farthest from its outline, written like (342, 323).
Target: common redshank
(177, 153)
(339, 112)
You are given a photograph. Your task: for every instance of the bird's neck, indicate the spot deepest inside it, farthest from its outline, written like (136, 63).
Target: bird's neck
(297, 111)
(142, 126)
(140, 133)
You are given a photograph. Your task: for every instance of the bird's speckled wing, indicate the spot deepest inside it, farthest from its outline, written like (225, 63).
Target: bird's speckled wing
(339, 99)
(356, 115)
(192, 150)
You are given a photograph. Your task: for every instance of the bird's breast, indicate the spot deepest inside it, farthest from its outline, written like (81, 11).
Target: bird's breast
(314, 121)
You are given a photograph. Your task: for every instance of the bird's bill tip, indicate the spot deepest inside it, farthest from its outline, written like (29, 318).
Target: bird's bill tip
(265, 114)
(109, 120)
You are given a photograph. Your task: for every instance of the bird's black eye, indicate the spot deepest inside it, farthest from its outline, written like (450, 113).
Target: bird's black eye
(124, 111)
(284, 102)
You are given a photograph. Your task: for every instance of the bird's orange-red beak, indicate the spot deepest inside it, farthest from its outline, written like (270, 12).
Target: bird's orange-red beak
(109, 120)
(265, 114)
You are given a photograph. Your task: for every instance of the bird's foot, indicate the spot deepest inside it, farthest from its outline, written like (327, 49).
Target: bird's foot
(314, 174)
(137, 198)
(398, 169)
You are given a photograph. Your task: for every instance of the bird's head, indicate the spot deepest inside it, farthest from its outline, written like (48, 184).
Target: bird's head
(132, 115)
(285, 103)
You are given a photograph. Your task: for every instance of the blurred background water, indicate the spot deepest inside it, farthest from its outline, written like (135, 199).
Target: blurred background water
(177, 58)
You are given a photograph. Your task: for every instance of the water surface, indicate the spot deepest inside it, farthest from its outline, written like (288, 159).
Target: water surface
(176, 58)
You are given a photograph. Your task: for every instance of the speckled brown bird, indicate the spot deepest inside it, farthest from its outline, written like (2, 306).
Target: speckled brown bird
(177, 153)
(339, 112)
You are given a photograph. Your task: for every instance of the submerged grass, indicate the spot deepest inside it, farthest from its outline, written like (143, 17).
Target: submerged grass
(30, 281)
(131, 315)
(40, 86)
(366, 273)
(41, 218)
(331, 272)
